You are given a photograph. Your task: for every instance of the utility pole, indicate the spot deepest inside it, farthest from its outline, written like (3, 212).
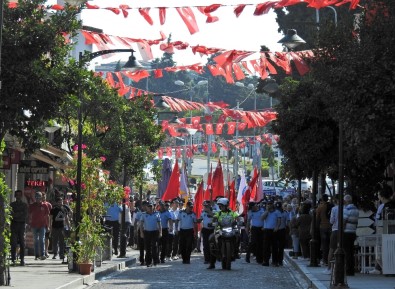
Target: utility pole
(236, 157)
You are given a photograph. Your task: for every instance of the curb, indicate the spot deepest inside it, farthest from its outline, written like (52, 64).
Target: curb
(90, 279)
(309, 277)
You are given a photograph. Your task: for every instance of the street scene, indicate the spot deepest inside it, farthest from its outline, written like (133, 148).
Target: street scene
(236, 144)
(176, 275)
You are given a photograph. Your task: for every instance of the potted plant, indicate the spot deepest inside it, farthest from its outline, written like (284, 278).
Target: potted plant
(90, 240)
(96, 190)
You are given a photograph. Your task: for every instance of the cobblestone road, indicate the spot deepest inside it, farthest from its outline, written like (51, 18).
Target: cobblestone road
(174, 274)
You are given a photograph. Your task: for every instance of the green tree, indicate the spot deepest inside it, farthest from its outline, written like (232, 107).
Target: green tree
(356, 74)
(34, 53)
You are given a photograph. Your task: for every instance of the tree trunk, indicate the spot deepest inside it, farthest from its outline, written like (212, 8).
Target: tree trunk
(3, 258)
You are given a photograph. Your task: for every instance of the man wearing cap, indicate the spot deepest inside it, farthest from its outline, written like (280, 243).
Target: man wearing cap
(138, 228)
(188, 231)
(39, 220)
(166, 222)
(173, 232)
(255, 228)
(206, 218)
(151, 230)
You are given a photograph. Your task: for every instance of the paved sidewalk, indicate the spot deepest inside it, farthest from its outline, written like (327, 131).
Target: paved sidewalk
(52, 274)
(317, 280)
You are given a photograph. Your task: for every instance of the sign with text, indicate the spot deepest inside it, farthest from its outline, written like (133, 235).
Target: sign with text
(33, 167)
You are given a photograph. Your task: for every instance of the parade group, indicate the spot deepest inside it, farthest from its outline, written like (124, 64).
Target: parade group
(165, 231)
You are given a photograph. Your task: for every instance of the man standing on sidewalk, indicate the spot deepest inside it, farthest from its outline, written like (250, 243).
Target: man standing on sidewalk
(19, 216)
(39, 220)
(58, 222)
(350, 215)
(323, 215)
(113, 212)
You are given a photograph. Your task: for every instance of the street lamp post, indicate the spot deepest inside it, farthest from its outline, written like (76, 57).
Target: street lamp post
(200, 83)
(88, 56)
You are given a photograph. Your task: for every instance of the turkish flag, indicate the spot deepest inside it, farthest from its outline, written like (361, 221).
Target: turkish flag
(253, 184)
(219, 127)
(222, 118)
(178, 152)
(231, 127)
(207, 192)
(205, 147)
(213, 147)
(241, 126)
(209, 129)
(169, 152)
(218, 181)
(189, 19)
(224, 146)
(198, 200)
(173, 187)
(195, 121)
(232, 196)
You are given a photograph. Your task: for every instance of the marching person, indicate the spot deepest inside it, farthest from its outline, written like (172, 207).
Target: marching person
(173, 233)
(19, 216)
(225, 215)
(139, 228)
(166, 221)
(151, 231)
(188, 231)
(255, 228)
(206, 218)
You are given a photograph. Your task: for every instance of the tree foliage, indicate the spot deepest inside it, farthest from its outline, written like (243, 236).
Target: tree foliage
(34, 54)
(352, 83)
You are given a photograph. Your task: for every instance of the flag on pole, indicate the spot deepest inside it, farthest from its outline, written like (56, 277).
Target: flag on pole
(242, 188)
(253, 185)
(218, 181)
(183, 185)
(232, 196)
(207, 193)
(198, 201)
(259, 190)
(173, 187)
(247, 197)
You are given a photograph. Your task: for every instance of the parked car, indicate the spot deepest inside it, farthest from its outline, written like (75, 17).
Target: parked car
(274, 184)
(306, 184)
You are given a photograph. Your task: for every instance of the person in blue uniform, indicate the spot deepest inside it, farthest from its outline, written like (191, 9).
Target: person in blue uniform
(272, 220)
(140, 237)
(206, 218)
(280, 235)
(113, 211)
(255, 229)
(188, 231)
(151, 230)
(166, 221)
(173, 232)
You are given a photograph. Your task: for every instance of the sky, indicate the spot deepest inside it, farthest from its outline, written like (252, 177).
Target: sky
(247, 32)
